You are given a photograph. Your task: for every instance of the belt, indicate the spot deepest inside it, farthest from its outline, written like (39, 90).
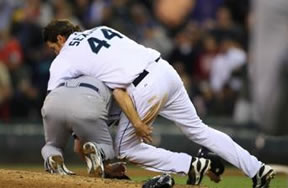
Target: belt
(82, 85)
(142, 75)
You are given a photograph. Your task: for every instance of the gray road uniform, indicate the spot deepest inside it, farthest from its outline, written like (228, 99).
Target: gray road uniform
(268, 69)
(80, 106)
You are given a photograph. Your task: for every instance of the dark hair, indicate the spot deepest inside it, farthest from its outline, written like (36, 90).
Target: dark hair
(59, 27)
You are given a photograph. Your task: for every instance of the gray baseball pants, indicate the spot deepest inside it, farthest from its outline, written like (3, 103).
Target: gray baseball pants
(79, 109)
(268, 67)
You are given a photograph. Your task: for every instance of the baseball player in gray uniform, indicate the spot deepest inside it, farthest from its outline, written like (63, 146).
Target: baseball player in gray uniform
(80, 107)
(144, 85)
(268, 67)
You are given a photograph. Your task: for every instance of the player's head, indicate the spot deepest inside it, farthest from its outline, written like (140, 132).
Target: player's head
(56, 33)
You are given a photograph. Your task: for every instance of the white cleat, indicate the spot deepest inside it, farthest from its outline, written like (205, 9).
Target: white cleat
(55, 165)
(93, 159)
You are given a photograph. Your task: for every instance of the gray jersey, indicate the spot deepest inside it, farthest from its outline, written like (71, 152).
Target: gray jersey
(81, 106)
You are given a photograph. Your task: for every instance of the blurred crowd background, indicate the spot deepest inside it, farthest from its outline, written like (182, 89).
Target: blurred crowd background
(205, 40)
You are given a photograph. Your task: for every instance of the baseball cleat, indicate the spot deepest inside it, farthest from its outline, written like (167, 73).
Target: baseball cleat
(55, 165)
(164, 180)
(217, 166)
(93, 159)
(199, 167)
(263, 177)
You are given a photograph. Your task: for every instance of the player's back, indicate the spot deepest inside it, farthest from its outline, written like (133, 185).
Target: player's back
(104, 53)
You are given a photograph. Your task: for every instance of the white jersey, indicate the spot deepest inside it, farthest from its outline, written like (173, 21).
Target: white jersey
(102, 53)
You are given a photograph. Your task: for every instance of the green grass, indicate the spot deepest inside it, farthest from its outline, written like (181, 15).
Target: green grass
(228, 181)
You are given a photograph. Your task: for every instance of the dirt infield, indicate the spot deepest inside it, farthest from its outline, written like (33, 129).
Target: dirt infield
(31, 179)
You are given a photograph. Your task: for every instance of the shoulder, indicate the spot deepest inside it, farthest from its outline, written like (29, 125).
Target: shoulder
(56, 62)
(61, 63)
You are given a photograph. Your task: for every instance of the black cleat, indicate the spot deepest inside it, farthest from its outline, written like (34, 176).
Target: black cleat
(217, 166)
(199, 167)
(161, 181)
(263, 177)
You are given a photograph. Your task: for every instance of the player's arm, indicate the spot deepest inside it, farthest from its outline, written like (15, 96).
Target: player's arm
(125, 103)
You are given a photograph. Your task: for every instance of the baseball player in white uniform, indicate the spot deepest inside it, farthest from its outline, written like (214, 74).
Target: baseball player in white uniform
(83, 107)
(153, 88)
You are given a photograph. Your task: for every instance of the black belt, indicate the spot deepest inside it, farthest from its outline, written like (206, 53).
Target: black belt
(82, 85)
(142, 75)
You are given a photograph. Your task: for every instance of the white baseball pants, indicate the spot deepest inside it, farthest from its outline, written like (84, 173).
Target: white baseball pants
(162, 92)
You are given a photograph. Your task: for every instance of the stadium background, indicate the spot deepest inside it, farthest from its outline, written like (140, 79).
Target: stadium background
(191, 35)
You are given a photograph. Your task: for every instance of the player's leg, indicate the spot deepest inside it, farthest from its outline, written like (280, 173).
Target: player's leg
(129, 146)
(88, 121)
(182, 111)
(56, 137)
(268, 46)
(97, 144)
(56, 134)
(95, 131)
(149, 97)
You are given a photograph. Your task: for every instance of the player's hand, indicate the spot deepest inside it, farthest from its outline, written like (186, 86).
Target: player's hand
(144, 132)
(115, 170)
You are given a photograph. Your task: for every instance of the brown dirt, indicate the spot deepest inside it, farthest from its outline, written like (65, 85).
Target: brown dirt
(35, 179)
